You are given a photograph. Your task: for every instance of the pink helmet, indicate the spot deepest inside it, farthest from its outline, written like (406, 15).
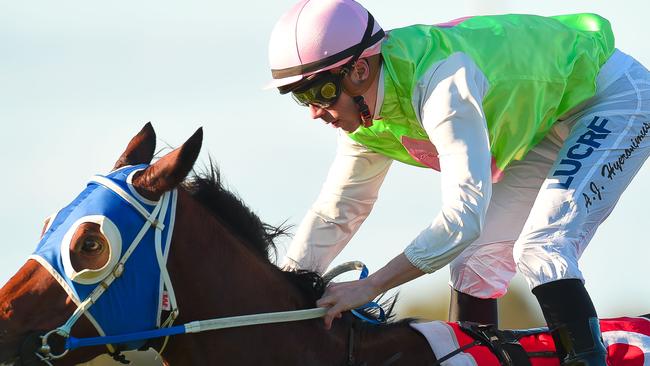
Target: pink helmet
(318, 35)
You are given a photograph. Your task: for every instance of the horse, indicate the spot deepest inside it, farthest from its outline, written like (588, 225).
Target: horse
(146, 243)
(218, 263)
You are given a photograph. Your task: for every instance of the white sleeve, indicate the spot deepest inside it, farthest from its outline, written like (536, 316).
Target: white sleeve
(345, 200)
(449, 102)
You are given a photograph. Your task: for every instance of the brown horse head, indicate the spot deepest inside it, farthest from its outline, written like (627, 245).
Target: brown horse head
(34, 302)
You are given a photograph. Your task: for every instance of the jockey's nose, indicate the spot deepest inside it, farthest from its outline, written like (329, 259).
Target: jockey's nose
(316, 112)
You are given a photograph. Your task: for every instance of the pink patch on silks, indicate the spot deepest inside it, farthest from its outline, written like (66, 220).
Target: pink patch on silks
(620, 354)
(452, 23)
(497, 173)
(423, 151)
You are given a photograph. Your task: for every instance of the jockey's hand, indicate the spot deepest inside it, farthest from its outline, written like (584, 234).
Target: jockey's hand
(344, 296)
(340, 297)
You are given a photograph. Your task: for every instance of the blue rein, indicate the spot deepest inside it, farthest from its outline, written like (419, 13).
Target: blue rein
(359, 312)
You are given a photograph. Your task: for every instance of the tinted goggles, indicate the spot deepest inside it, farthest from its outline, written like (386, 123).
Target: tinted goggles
(322, 90)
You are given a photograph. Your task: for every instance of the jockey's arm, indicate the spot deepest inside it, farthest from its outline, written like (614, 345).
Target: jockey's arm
(345, 200)
(449, 103)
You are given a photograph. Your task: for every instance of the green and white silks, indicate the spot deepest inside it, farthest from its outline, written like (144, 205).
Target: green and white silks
(538, 69)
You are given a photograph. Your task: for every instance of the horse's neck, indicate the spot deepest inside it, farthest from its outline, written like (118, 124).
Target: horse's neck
(214, 275)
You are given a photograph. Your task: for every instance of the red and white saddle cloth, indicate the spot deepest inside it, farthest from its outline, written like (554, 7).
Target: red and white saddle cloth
(627, 341)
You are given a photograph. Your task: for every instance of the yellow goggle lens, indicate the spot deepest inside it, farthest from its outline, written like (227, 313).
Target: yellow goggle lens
(328, 90)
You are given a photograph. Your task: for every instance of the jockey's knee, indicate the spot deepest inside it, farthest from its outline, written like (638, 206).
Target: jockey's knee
(484, 273)
(546, 259)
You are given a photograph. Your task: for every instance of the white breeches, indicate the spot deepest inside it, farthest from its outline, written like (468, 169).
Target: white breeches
(546, 209)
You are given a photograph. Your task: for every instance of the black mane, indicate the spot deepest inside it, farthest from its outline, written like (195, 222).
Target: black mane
(207, 188)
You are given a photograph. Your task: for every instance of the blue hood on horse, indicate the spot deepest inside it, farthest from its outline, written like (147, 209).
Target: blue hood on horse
(112, 202)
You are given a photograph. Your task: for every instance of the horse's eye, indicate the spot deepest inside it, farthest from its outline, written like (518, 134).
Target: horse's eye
(92, 245)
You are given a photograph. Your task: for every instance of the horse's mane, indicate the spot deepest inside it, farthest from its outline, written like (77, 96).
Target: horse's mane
(207, 188)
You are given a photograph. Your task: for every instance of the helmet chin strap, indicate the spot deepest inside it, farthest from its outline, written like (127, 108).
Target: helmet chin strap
(364, 111)
(362, 106)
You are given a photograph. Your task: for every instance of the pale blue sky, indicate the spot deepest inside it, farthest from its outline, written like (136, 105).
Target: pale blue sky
(79, 78)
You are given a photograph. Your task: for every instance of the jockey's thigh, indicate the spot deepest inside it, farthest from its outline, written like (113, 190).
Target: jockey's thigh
(486, 267)
(607, 144)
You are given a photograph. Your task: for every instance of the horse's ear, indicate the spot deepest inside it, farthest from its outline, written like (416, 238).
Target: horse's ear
(170, 170)
(140, 149)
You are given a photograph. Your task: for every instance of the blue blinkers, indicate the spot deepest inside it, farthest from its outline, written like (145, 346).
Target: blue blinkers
(133, 301)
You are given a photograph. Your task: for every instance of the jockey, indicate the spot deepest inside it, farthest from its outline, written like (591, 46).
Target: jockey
(536, 124)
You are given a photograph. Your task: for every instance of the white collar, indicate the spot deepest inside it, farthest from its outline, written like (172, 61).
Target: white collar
(380, 93)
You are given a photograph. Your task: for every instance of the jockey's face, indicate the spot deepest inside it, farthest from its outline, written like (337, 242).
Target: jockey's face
(327, 95)
(343, 114)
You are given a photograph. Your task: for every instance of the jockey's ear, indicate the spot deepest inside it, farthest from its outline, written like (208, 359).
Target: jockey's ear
(140, 149)
(170, 170)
